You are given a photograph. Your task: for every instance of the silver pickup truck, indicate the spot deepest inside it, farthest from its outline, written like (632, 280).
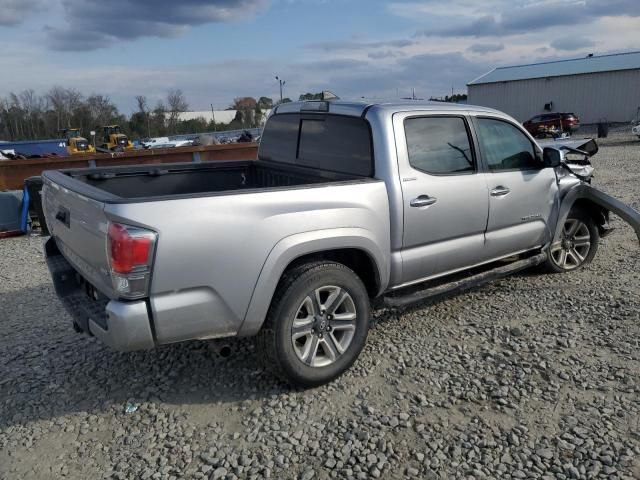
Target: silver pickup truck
(348, 205)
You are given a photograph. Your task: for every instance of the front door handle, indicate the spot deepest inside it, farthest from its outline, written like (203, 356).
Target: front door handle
(423, 201)
(500, 191)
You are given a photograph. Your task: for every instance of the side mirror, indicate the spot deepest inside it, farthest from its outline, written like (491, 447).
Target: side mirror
(551, 157)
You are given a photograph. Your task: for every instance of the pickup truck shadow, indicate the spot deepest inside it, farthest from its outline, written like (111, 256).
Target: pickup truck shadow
(49, 371)
(431, 302)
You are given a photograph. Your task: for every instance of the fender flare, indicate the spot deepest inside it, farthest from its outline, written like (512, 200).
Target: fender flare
(609, 203)
(295, 246)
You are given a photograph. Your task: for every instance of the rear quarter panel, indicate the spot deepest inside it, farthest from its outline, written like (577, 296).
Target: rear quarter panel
(211, 250)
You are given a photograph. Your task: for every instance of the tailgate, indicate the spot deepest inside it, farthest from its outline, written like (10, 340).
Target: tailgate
(79, 226)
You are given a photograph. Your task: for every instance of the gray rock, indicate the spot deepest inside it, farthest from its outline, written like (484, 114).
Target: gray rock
(545, 453)
(308, 475)
(412, 471)
(219, 472)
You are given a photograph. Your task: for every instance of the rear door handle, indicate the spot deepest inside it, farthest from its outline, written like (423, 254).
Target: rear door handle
(423, 201)
(500, 191)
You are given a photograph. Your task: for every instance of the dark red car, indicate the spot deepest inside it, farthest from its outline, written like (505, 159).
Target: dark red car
(552, 122)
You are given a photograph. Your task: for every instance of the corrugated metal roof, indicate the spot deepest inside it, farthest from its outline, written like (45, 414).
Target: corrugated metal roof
(575, 66)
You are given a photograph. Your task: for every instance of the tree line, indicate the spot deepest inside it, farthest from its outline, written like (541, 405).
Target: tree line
(453, 98)
(29, 116)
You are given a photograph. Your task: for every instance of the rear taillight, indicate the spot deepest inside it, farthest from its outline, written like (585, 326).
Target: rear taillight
(130, 257)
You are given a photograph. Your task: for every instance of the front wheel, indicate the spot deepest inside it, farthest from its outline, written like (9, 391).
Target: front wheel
(317, 324)
(576, 246)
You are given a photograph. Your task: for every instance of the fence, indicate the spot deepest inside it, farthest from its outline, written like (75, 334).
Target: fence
(14, 172)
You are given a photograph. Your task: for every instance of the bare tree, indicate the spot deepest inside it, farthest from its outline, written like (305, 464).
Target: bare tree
(141, 100)
(143, 108)
(159, 118)
(56, 97)
(8, 125)
(17, 114)
(74, 101)
(64, 102)
(32, 106)
(101, 109)
(177, 104)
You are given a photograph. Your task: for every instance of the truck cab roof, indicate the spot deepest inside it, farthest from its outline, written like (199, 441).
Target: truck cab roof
(358, 108)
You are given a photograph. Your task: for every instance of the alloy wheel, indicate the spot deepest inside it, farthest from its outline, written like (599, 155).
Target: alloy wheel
(324, 326)
(574, 245)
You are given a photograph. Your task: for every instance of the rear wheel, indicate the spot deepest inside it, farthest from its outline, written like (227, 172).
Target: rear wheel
(317, 324)
(577, 245)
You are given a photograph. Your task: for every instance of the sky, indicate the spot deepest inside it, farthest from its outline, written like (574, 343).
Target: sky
(216, 50)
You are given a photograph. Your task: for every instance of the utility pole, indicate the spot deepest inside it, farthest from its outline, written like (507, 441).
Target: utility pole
(213, 115)
(281, 82)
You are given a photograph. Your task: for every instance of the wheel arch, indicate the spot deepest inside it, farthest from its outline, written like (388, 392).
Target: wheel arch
(354, 247)
(356, 259)
(598, 205)
(598, 213)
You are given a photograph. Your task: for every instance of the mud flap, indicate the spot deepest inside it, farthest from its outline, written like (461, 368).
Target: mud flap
(587, 192)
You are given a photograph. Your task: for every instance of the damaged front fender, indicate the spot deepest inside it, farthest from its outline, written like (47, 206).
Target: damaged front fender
(587, 192)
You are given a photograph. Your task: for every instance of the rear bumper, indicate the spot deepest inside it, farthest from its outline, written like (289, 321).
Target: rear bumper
(128, 326)
(124, 326)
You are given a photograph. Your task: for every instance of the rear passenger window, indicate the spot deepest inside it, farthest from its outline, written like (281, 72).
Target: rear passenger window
(341, 144)
(439, 145)
(505, 147)
(280, 139)
(327, 142)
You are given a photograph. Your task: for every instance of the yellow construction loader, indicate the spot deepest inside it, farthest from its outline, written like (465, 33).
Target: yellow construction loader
(114, 140)
(76, 143)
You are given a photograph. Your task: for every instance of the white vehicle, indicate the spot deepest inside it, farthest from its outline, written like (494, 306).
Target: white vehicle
(179, 143)
(165, 142)
(155, 142)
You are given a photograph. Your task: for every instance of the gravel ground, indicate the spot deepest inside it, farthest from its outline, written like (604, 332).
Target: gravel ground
(536, 376)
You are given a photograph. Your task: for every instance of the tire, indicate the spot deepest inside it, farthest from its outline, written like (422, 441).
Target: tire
(578, 245)
(293, 326)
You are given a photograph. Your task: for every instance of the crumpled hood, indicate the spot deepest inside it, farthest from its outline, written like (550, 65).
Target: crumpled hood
(587, 145)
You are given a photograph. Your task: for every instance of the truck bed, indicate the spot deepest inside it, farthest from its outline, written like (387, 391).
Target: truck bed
(217, 226)
(161, 181)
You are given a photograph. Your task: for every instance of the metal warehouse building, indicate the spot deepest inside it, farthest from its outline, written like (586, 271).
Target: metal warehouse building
(595, 88)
